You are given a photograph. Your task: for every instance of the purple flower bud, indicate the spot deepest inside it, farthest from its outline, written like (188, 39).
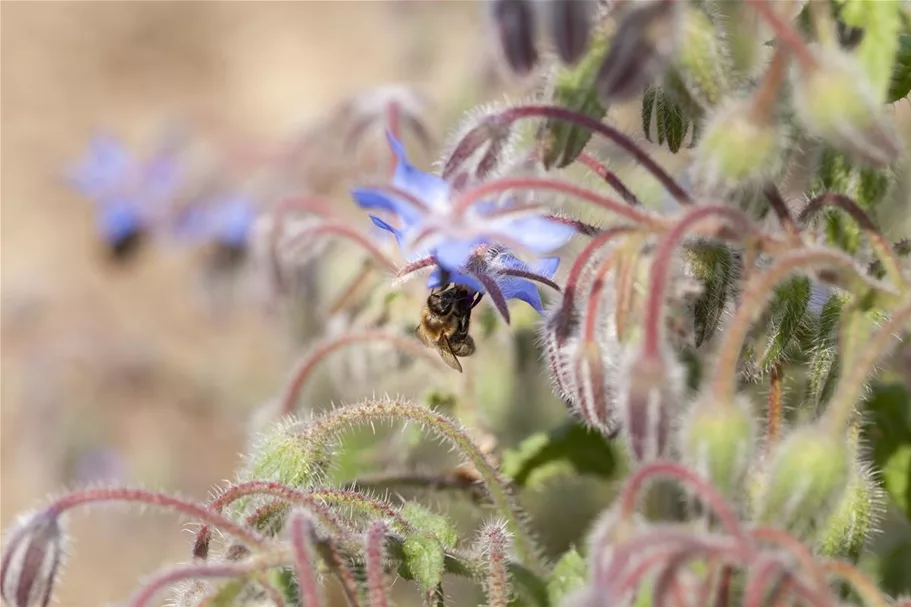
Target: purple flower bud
(649, 397)
(515, 23)
(31, 560)
(570, 25)
(640, 50)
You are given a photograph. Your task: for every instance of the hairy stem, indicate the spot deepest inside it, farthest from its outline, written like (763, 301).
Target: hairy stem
(305, 367)
(884, 251)
(160, 500)
(604, 130)
(305, 559)
(505, 184)
(851, 383)
(592, 163)
(375, 551)
(754, 299)
(306, 236)
(865, 587)
(323, 429)
(786, 33)
(662, 262)
(773, 428)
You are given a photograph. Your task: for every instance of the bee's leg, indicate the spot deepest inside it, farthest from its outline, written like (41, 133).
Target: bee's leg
(477, 300)
(463, 348)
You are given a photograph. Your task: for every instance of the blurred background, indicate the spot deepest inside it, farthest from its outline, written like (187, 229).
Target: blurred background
(126, 374)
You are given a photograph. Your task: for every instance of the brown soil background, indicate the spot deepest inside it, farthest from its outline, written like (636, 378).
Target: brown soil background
(129, 360)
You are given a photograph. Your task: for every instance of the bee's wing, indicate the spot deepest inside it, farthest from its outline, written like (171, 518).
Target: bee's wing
(446, 352)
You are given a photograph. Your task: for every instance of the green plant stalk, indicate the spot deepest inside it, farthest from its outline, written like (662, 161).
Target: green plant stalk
(324, 428)
(840, 411)
(756, 295)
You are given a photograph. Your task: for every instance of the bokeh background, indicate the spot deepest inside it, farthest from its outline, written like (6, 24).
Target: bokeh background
(127, 374)
(136, 374)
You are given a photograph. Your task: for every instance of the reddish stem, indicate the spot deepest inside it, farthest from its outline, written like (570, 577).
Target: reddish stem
(607, 131)
(304, 369)
(773, 429)
(172, 576)
(786, 33)
(304, 559)
(661, 268)
(472, 196)
(609, 177)
(345, 231)
(710, 496)
(161, 500)
(374, 551)
(393, 124)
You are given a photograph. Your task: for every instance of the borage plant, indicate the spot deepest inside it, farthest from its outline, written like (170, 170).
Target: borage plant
(721, 337)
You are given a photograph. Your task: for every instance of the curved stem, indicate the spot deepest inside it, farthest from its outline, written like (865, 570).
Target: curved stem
(608, 132)
(345, 231)
(869, 593)
(661, 267)
(786, 33)
(755, 297)
(301, 533)
(322, 429)
(305, 367)
(161, 500)
(710, 496)
(474, 195)
(853, 379)
(173, 575)
(884, 251)
(592, 163)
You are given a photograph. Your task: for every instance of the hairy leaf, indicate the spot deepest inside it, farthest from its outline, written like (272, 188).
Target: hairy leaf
(567, 576)
(788, 309)
(713, 266)
(648, 107)
(824, 364)
(424, 560)
(430, 523)
(900, 84)
(571, 445)
(889, 434)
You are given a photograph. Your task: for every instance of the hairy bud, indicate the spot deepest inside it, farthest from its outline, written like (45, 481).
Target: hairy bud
(737, 148)
(570, 25)
(846, 530)
(717, 440)
(515, 23)
(31, 561)
(703, 58)
(640, 50)
(561, 142)
(650, 395)
(808, 475)
(835, 102)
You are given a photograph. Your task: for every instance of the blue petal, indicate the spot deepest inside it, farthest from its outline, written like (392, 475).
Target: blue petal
(547, 266)
(433, 281)
(385, 226)
(522, 289)
(431, 189)
(105, 165)
(368, 198)
(236, 217)
(118, 221)
(454, 254)
(540, 234)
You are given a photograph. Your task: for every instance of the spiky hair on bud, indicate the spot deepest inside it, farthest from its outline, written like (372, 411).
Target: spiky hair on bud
(479, 144)
(32, 554)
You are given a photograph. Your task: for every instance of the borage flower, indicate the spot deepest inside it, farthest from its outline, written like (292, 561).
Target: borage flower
(225, 222)
(125, 190)
(467, 247)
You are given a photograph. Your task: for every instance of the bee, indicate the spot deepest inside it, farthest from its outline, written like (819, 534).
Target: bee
(445, 320)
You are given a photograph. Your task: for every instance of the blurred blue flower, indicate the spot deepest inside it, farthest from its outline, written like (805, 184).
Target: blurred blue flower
(226, 221)
(125, 190)
(451, 239)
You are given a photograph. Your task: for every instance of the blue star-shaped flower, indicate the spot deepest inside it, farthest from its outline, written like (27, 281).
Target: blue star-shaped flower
(124, 189)
(468, 248)
(226, 221)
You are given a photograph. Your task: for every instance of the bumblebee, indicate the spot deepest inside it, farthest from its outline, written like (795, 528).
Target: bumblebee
(445, 320)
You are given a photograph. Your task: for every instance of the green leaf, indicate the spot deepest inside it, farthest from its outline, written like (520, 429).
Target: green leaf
(789, 307)
(424, 560)
(824, 363)
(712, 265)
(567, 576)
(430, 523)
(661, 102)
(648, 107)
(900, 84)
(893, 570)
(889, 434)
(569, 446)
